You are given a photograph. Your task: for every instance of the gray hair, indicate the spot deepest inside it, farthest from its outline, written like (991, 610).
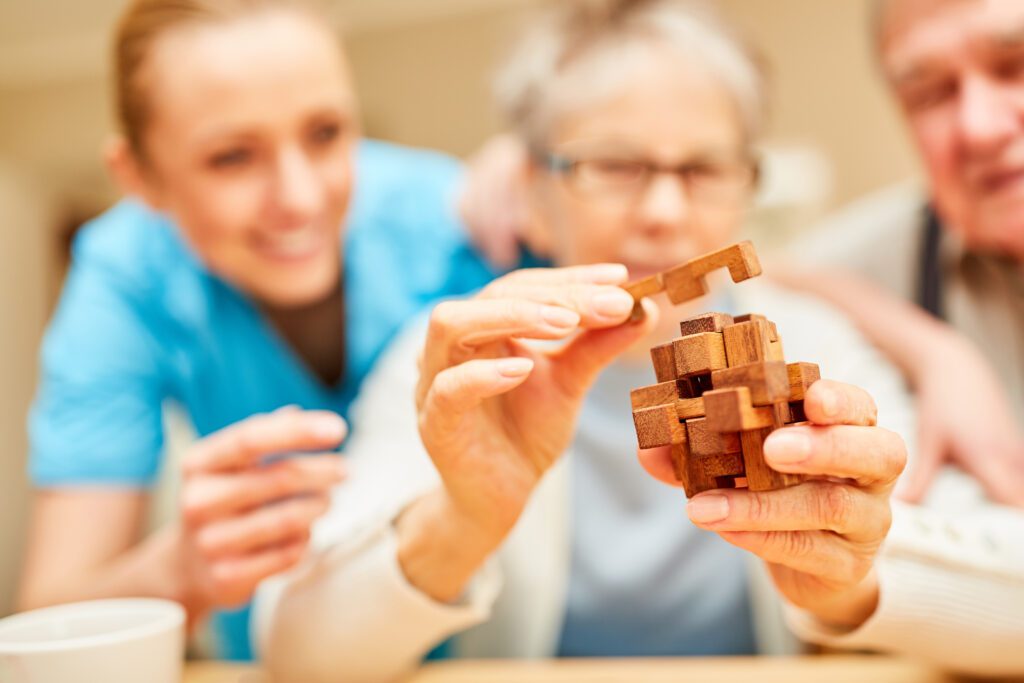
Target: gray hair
(580, 51)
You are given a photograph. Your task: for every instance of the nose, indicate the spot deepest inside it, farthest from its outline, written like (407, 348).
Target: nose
(665, 205)
(989, 115)
(298, 192)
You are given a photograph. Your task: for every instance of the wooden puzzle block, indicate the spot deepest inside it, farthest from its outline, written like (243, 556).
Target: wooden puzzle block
(746, 342)
(689, 408)
(657, 426)
(664, 359)
(730, 410)
(663, 393)
(761, 477)
(801, 377)
(796, 412)
(723, 465)
(709, 322)
(699, 354)
(706, 441)
(768, 381)
(775, 351)
(648, 286)
(686, 281)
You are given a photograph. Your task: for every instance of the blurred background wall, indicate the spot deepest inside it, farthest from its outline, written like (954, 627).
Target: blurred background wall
(422, 68)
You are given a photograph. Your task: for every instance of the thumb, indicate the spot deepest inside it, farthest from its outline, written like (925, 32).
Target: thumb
(577, 365)
(921, 471)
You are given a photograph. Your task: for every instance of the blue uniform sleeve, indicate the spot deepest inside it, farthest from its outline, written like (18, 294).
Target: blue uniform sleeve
(97, 416)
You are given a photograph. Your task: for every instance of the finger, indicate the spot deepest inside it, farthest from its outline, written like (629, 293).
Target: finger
(871, 456)
(596, 305)
(235, 579)
(658, 463)
(922, 470)
(275, 524)
(247, 442)
(578, 364)
(1002, 475)
(818, 553)
(461, 388)
(594, 274)
(482, 321)
(814, 505)
(212, 497)
(833, 403)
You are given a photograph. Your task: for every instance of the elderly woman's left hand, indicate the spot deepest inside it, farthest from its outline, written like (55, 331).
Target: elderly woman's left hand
(819, 538)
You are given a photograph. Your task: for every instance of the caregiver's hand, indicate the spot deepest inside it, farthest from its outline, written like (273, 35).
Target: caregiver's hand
(496, 413)
(819, 538)
(243, 521)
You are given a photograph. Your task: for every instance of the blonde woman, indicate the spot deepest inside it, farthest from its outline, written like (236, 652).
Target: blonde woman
(261, 259)
(510, 511)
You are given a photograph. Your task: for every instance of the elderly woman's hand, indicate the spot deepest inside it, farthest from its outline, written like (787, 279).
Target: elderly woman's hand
(495, 413)
(819, 538)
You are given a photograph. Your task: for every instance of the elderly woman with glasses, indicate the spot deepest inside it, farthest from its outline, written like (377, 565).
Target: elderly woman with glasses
(509, 508)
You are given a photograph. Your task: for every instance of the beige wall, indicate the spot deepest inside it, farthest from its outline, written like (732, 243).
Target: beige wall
(422, 83)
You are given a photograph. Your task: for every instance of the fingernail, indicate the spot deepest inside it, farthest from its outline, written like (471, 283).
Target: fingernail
(329, 428)
(612, 304)
(608, 273)
(561, 318)
(787, 446)
(708, 509)
(514, 367)
(830, 403)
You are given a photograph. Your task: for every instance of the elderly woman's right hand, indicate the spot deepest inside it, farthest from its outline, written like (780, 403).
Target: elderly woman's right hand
(243, 519)
(495, 413)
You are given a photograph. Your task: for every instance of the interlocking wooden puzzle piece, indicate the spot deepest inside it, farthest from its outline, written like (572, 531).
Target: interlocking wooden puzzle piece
(686, 281)
(761, 477)
(801, 377)
(768, 381)
(775, 351)
(709, 322)
(723, 465)
(706, 441)
(689, 408)
(709, 454)
(746, 342)
(699, 354)
(796, 412)
(657, 426)
(663, 393)
(664, 360)
(648, 286)
(730, 410)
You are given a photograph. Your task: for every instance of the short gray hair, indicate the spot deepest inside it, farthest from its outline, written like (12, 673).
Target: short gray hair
(579, 51)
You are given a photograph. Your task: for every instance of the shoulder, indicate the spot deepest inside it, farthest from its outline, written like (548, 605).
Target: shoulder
(877, 235)
(403, 183)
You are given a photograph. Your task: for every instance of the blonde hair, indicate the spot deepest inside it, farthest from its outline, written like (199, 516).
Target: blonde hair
(580, 51)
(143, 22)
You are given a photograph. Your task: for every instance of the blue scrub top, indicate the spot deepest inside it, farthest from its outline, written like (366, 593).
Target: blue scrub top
(141, 321)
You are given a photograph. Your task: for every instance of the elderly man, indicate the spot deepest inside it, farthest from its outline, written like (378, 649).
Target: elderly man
(956, 68)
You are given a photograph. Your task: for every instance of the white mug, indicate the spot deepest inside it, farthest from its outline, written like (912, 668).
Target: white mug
(114, 641)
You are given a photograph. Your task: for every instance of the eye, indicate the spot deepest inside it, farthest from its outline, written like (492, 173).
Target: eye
(928, 95)
(234, 157)
(1010, 67)
(610, 170)
(325, 133)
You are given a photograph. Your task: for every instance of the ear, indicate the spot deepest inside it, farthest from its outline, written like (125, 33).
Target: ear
(128, 171)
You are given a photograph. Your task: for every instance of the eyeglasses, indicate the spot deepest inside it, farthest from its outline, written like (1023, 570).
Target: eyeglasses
(712, 181)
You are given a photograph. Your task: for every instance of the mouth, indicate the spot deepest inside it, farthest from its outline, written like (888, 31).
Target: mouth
(1002, 180)
(292, 246)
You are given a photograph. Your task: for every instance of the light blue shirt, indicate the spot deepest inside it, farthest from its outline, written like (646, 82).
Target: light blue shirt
(644, 581)
(141, 322)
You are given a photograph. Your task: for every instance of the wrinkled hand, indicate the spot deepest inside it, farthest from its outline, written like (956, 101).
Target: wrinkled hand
(964, 418)
(819, 538)
(243, 520)
(495, 412)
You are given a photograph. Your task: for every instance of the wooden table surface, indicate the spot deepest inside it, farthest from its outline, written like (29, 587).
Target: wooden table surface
(828, 668)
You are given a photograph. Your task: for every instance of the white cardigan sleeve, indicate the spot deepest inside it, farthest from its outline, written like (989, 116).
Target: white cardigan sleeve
(348, 613)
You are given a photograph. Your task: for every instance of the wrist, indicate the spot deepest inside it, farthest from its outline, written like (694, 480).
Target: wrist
(440, 547)
(853, 607)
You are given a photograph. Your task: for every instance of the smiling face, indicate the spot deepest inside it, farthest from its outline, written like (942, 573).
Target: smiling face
(957, 68)
(248, 147)
(670, 114)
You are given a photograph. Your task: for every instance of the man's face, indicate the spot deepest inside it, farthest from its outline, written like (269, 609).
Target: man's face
(957, 68)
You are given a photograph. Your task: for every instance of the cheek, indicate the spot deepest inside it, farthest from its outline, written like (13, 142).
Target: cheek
(587, 231)
(216, 214)
(935, 137)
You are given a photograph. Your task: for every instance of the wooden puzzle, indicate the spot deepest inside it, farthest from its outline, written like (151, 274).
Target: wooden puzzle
(722, 387)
